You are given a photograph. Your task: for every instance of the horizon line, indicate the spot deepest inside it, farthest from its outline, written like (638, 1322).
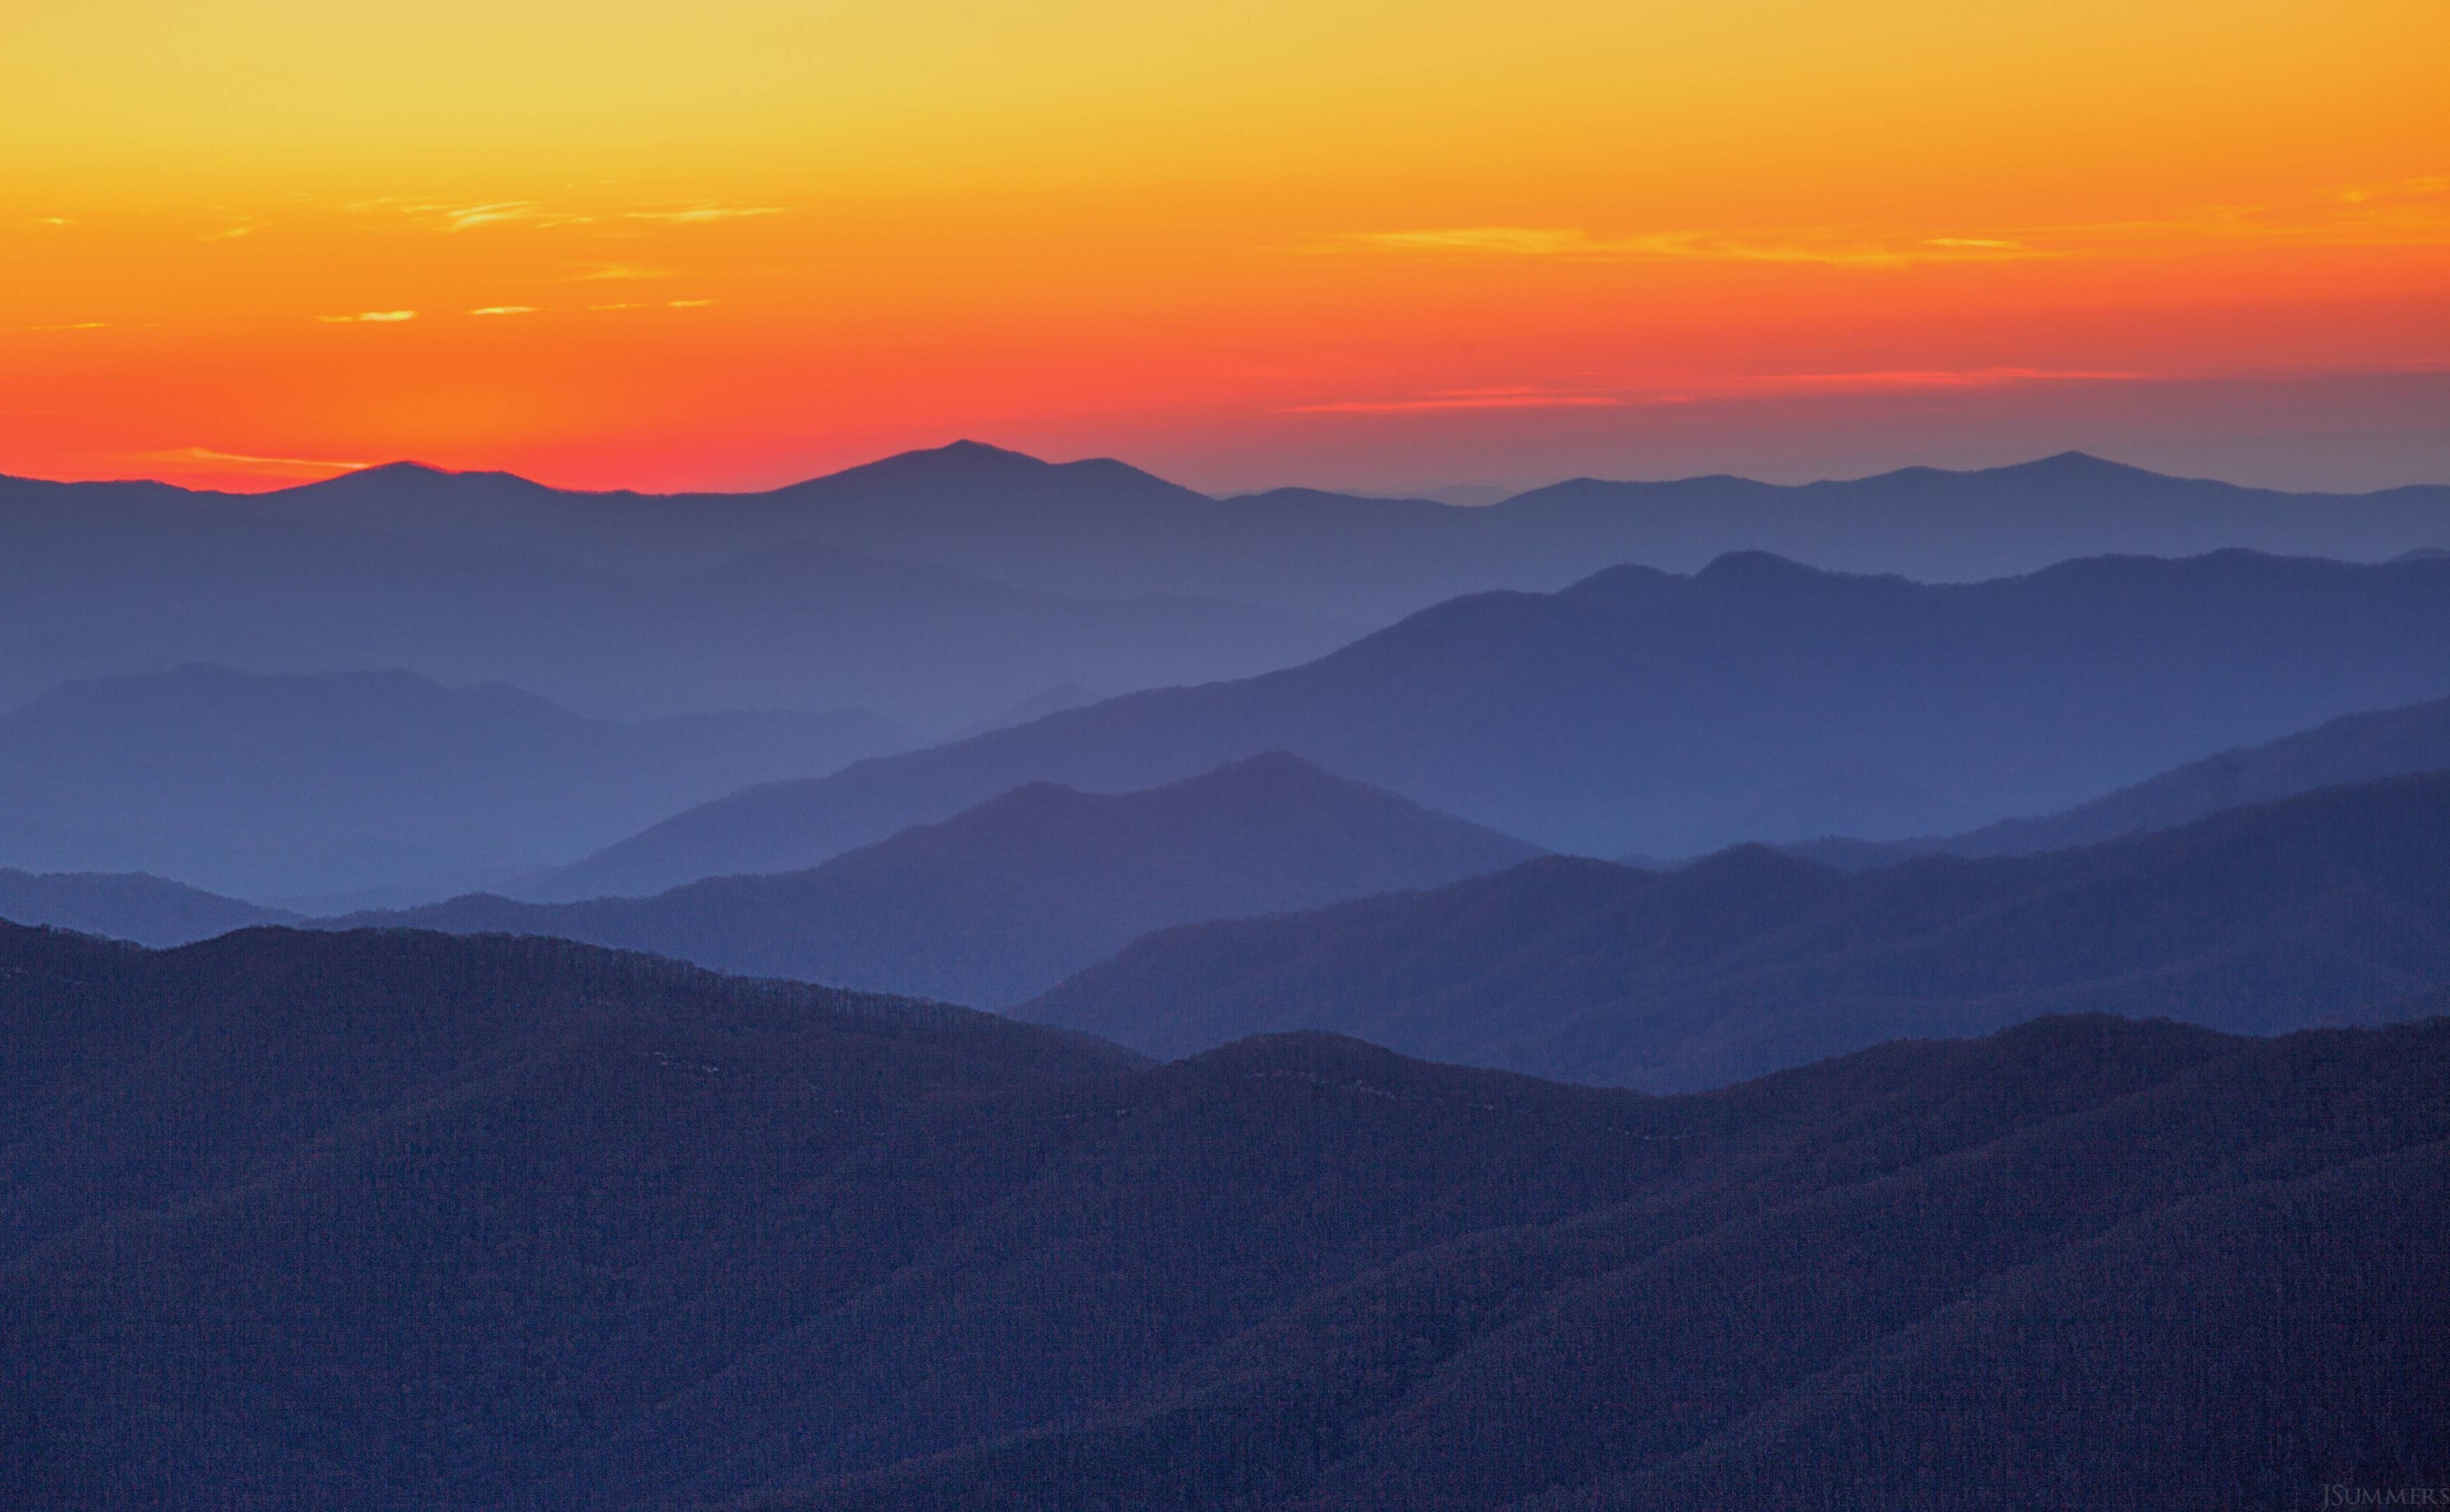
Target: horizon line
(339, 471)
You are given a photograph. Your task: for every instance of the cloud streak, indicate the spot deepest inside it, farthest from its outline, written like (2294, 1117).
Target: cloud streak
(1464, 399)
(2402, 212)
(276, 466)
(537, 215)
(1828, 248)
(369, 317)
(1760, 385)
(702, 214)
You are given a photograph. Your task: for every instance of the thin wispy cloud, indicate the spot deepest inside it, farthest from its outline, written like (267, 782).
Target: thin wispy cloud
(1645, 392)
(1464, 399)
(614, 272)
(537, 215)
(2422, 187)
(701, 214)
(504, 309)
(1832, 248)
(467, 218)
(73, 325)
(2402, 212)
(1907, 379)
(51, 220)
(280, 466)
(369, 317)
(687, 304)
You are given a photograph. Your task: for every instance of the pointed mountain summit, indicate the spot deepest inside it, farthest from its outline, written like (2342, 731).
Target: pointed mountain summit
(391, 483)
(2064, 467)
(2060, 470)
(1005, 898)
(979, 464)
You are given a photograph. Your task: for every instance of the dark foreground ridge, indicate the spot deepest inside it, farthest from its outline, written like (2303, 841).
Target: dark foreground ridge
(395, 1220)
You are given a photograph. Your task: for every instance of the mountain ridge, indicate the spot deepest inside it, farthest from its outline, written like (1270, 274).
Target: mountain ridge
(1008, 897)
(1121, 525)
(395, 1220)
(2353, 747)
(1643, 710)
(2259, 919)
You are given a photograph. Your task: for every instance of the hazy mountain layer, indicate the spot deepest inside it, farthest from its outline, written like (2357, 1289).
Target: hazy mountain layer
(2261, 919)
(128, 905)
(107, 579)
(1638, 711)
(1002, 902)
(598, 601)
(2352, 748)
(1101, 527)
(269, 786)
(393, 1221)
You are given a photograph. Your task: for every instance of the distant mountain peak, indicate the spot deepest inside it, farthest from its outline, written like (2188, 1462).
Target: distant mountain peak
(2077, 464)
(1754, 563)
(969, 463)
(1272, 771)
(412, 474)
(963, 455)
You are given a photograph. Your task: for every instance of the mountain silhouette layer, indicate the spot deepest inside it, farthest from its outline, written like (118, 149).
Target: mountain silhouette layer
(2352, 748)
(1639, 711)
(1087, 571)
(109, 580)
(1101, 527)
(2261, 919)
(275, 784)
(128, 906)
(395, 1220)
(1002, 900)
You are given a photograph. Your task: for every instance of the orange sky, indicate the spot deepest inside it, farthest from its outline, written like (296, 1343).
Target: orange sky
(1373, 245)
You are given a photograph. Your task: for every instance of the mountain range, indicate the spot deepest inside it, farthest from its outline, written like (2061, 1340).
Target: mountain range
(1002, 900)
(1085, 528)
(1087, 571)
(110, 579)
(1642, 710)
(2322, 908)
(395, 1220)
(2027, 1083)
(273, 785)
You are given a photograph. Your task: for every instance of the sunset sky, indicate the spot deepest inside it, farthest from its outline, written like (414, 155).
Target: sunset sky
(734, 243)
